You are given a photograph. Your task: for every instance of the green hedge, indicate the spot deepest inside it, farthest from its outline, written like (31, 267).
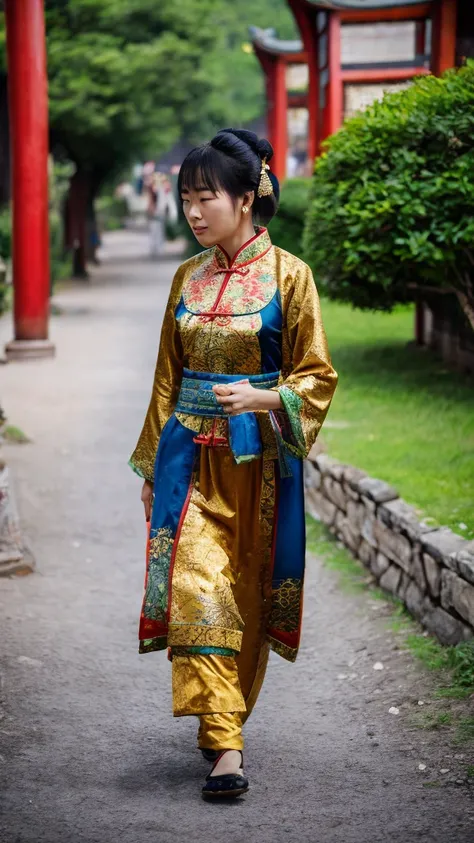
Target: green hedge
(392, 198)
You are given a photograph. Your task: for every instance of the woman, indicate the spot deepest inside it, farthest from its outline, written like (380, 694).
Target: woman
(242, 385)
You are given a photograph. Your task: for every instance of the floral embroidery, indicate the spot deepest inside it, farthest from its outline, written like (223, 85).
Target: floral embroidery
(156, 593)
(251, 250)
(247, 288)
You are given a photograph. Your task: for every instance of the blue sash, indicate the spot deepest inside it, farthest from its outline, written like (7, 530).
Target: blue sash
(196, 398)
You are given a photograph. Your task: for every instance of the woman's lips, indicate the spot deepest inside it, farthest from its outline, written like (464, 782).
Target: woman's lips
(199, 229)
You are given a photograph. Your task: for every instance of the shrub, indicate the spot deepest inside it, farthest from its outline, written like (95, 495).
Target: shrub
(392, 198)
(5, 234)
(286, 229)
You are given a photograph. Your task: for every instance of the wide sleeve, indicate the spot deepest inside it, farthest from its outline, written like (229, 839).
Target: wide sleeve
(308, 378)
(166, 385)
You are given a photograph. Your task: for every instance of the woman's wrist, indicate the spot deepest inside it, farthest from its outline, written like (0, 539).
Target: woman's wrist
(268, 399)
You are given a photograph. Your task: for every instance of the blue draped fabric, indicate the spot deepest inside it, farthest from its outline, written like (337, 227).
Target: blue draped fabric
(197, 398)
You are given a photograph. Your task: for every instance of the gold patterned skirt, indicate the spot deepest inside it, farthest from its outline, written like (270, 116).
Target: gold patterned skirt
(221, 579)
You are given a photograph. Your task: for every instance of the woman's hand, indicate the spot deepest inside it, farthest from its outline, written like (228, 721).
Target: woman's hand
(147, 498)
(242, 397)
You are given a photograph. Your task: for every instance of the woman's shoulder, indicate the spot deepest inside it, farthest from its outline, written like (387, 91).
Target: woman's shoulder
(188, 266)
(292, 270)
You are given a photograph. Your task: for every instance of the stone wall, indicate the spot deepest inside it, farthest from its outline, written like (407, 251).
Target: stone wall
(430, 570)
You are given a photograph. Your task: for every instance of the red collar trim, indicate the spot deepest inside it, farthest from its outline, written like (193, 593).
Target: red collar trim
(254, 249)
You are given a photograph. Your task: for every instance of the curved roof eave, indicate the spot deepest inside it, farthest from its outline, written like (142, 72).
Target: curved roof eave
(267, 40)
(364, 4)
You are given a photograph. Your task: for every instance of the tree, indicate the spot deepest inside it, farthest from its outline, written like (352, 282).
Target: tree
(392, 200)
(233, 58)
(127, 80)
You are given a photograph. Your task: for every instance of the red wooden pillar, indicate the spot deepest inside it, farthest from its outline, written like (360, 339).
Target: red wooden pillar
(274, 68)
(28, 110)
(306, 20)
(270, 92)
(335, 94)
(444, 36)
(280, 120)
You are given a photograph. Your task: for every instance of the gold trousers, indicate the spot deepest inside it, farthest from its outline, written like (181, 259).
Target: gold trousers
(221, 553)
(221, 690)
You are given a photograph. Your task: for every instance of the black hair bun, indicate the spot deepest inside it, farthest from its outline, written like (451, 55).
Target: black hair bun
(261, 147)
(265, 149)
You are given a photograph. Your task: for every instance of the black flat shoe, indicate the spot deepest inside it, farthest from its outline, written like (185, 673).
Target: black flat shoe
(227, 785)
(211, 755)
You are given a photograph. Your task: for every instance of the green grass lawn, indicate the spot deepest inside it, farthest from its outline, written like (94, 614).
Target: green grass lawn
(401, 414)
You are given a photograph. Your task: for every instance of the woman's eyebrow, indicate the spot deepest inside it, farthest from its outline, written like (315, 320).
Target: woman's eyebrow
(197, 190)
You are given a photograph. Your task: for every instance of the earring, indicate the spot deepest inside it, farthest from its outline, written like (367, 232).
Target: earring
(245, 210)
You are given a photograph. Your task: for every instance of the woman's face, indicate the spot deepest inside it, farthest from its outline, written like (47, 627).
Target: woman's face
(213, 217)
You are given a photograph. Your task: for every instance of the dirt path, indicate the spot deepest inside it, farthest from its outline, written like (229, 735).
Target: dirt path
(90, 751)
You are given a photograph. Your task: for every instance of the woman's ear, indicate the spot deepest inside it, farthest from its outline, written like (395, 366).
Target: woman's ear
(249, 198)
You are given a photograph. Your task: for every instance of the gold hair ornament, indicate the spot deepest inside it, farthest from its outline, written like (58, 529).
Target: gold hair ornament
(265, 187)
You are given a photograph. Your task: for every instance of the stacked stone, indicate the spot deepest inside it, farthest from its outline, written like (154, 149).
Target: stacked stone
(430, 570)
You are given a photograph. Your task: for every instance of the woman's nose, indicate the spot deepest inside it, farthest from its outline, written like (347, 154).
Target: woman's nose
(194, 212)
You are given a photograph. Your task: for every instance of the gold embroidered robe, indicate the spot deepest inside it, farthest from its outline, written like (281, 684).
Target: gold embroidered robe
(226, 548)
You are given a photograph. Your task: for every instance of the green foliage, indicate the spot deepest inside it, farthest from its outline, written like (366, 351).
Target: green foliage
(286, 229)
(392, 199)
(5, 254)
(5, 234)
(432, 720)
(111, 212)
(127, 80)
(60, 265)
(232, 60)
(465, 731)
(320, 542)
(60, 262)
(15, 434)
(400, 414)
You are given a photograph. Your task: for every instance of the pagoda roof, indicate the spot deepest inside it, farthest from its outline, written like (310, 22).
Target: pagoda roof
(268, 41)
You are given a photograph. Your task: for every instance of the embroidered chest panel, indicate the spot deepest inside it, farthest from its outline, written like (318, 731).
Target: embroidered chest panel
(243, 289)
(225, 344)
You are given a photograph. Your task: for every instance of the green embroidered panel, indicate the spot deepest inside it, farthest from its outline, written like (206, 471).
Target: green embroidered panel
(159, 560)
(136, 469)
(293, 405)
(203, 651)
